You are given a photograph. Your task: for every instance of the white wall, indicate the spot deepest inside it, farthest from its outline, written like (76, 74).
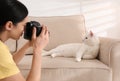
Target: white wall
(102, 16)
(52, 7)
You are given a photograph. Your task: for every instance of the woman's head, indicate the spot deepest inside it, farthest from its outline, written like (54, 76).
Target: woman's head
(11, 11)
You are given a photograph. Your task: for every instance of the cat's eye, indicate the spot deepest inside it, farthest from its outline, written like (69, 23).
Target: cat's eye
(86, 38)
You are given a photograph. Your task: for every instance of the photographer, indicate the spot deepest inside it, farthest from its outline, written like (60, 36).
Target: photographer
(13, 19)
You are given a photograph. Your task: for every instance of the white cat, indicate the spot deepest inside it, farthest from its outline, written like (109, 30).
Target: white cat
(88, 49)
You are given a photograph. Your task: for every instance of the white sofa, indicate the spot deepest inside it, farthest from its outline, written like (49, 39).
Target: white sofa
(69, 29)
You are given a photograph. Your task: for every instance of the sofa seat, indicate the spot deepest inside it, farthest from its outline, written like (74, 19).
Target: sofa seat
(67, 69)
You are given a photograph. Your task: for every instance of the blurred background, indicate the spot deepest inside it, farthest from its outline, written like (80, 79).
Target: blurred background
(101, 16)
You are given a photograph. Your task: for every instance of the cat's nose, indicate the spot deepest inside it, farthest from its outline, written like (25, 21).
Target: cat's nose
(82, 40)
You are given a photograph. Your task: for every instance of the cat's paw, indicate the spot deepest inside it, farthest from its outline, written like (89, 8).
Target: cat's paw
(78, 59)
(53, 55)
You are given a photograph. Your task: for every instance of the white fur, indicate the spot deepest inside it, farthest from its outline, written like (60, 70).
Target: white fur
(86, 50)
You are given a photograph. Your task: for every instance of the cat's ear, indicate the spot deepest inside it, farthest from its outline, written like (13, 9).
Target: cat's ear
(91, 33)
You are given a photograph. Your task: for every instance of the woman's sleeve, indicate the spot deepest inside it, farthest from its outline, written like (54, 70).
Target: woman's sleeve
(7, 64)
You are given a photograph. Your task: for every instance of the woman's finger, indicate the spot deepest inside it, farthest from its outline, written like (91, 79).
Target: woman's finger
(46, 30)
(43, 30)
(34, 33)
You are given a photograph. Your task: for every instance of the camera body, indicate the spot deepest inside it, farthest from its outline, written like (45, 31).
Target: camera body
(29, 29)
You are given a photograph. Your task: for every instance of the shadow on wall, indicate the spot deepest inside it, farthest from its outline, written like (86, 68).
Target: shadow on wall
(100, 16)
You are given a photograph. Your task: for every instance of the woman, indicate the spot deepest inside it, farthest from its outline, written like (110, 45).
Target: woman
(13, 18)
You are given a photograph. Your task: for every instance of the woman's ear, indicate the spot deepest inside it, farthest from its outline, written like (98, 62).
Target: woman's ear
(9, 25)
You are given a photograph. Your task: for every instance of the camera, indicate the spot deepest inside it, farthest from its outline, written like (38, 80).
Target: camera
(29, 29)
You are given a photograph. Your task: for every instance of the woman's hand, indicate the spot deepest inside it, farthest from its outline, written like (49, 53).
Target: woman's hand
(40, 42)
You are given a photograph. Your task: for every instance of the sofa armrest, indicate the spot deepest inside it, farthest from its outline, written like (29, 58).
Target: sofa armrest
(110, 55)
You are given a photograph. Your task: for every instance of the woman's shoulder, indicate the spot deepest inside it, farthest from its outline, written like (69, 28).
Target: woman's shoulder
(3, 47)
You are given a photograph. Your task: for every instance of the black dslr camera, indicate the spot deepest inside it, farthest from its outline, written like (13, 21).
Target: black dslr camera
(29, 29)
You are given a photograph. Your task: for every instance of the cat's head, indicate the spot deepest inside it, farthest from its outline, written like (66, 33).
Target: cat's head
(91, 39)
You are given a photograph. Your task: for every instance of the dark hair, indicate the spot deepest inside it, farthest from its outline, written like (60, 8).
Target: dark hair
(12, 10)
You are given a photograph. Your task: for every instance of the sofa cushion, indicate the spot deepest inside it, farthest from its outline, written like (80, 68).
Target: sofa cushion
(62, 29)
(62, 62)
(67, 69)
(11, 45)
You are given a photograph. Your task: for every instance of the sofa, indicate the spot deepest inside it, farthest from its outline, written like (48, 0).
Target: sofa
(71, 29)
